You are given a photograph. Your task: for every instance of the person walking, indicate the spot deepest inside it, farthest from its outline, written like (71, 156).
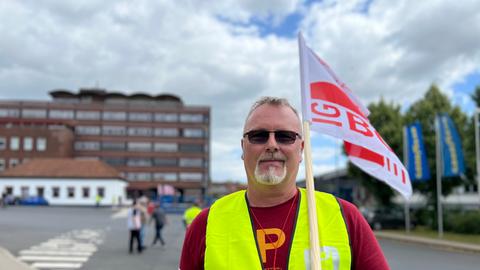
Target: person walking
(191, 213)
(134, 224)
(266, 225)
(158, 216)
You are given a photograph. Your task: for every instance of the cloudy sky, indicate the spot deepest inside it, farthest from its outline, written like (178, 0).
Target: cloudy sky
(225, 54)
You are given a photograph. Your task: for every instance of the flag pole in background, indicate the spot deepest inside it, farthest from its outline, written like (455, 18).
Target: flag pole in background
(477, 149)
(315, 262)
(406, 161)
(438, 165)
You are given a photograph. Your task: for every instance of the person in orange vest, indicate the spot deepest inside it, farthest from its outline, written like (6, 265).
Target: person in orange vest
(266, 225)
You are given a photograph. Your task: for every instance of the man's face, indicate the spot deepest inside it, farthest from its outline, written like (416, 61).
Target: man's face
(272, 162)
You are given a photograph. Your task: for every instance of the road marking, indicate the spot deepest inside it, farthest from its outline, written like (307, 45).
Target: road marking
(55, 252)
(120, 214)
(43, 265)
(66, 251)
(53, 258)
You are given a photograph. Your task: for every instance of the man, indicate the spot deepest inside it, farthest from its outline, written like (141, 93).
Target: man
(158, 215)
(266, 226)
(191, 213)
(134, 223)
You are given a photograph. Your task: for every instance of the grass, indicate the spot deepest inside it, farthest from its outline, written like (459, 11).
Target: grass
(428, 233)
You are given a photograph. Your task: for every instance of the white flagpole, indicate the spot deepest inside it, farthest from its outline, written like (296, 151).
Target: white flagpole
(315, 262)
(439, 176)
(405, 161)
(312, 209)
(477, 149)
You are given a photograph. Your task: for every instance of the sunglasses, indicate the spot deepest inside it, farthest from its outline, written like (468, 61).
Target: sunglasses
(281, 136)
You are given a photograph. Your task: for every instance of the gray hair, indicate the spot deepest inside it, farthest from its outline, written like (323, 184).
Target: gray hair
(275, 101)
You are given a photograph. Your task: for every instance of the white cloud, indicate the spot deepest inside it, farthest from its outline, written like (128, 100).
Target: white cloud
(207, 53)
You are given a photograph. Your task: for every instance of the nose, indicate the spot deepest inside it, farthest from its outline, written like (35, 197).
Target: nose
(272, 144)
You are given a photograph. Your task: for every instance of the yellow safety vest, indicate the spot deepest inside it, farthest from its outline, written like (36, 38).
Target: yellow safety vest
(191, 213)
(230, 241)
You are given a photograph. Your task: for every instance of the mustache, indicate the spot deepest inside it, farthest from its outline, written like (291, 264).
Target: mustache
(272, 156)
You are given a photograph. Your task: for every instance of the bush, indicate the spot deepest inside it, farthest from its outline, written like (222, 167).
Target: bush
(466, 222)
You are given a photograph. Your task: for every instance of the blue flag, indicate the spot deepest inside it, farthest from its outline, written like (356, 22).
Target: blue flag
(416, 163)
(451, 147)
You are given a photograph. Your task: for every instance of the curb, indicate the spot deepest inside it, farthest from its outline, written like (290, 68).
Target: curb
(438, 243)
(8, 261)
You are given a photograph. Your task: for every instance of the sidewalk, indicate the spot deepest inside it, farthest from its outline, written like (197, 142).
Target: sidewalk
(437, 243)
(8, 261)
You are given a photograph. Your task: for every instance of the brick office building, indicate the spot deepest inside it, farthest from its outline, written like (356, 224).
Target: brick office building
(150, 140)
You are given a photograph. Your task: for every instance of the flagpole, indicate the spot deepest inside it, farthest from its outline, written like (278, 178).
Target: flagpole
(439, 176)
(477, 149)
(312, 206)
(405, 161)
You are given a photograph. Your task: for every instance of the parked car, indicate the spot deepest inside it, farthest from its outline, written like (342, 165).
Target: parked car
(33, 200)
(388, 218)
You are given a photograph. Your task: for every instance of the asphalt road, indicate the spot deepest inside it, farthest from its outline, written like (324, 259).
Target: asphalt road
(94, 239)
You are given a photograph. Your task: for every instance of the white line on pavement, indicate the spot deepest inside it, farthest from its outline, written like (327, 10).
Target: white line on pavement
(44, 265)
(55, 252)
(53, 258)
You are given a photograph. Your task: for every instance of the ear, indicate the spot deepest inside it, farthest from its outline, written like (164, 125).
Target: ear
(241, 144)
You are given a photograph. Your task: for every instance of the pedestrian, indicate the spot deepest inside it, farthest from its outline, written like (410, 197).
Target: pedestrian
(266, 225)
(142, 206)
(134, 225)
(98, 199)
(190, 214)
(158, 215)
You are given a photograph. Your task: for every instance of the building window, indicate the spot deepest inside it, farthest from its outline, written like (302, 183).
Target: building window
(191, 162)
(41, 144)
(114, 161)
(89, 146)
(34, 113)
(135, 116)
(166, 132)
(9, 190)
(165, 162)
(101, 192)
(191, 118)
(88, 115)
(27, 144)
(61, 114)
(14, 143)
(85, 192)
(87, 130)
(2, 164)
(113, 146)
(9, 113)
(70, 192)
(166, 117)
(55, 192)
(40, 191)
(116, 116)
(139, 162)
(139, 131)
(3, 143)
(12, 162)
(140, 146)
(139, 176)
(24, 191)
(191, 176)
(165, 147)
(114, 130)
(191, 148)
(193, 133)
(165, 176)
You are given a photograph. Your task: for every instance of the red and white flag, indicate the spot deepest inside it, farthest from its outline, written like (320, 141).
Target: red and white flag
(331, 108)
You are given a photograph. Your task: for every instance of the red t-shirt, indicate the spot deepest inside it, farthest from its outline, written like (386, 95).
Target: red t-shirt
(274, 237)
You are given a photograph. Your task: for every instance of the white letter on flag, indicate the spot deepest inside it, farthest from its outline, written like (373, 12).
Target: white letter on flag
(331, 108)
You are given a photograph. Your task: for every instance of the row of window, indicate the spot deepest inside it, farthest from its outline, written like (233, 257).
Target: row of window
(56, 192)
(12, 162)
(157, 162)
(105, 115)
(139, 131)
(140, 146)
(26, 143)
(169, 176)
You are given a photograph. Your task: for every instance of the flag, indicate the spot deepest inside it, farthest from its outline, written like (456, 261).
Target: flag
(416, 162)
(331, 108)
(451, 147)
